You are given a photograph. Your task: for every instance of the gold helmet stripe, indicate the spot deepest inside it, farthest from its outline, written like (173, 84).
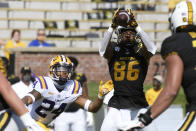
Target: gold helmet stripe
(68, 60)
(190, 13)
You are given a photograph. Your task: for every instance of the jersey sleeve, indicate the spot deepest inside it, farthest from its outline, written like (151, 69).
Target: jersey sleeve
(105, 41)
(40, 84)
(75, 90)
(169, 46)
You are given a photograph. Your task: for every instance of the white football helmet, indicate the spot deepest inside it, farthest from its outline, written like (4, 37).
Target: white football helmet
(184, 14)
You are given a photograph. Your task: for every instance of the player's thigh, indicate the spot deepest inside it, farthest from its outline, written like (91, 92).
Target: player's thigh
(80, 121)
(110, 122)
(9, 121)
(189, 122)
(63, 118)
(61, 127)
(78, 126)
(61, 123)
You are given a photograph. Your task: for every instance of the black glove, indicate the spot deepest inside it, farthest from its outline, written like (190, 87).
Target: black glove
(145, 118)
(133, 22)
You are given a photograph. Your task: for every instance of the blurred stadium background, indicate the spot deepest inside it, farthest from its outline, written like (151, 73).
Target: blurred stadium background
(76, 28)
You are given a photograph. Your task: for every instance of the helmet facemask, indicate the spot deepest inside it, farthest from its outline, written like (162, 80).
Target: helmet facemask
(61, 69)
(62, 73)
(127, 38)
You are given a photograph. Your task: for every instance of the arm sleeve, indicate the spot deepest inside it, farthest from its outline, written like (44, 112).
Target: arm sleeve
(105, 41)
(147, 41)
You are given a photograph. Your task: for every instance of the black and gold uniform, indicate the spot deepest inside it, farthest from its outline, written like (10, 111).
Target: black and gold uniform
(5, 115)
(6, 69)
(3, 104)
(81, 78)
(128, 68)
(184, 45)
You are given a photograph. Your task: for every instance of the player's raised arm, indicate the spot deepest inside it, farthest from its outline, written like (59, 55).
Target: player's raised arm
(103, 48)
(10, 96)
(93, 106)
(144, 36)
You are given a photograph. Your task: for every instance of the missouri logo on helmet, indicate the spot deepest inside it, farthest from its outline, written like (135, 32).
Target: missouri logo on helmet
(183, 16)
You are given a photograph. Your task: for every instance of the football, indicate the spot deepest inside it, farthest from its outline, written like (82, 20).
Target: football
(122, 18)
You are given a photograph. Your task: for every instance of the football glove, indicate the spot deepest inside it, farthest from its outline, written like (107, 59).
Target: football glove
(133, 22)
(105, 88)
(145, 118)
(114, 24)
(30, 123)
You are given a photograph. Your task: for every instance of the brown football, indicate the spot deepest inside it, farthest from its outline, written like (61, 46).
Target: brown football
(122, 18)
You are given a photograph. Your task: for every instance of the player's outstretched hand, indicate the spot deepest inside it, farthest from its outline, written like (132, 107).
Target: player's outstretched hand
(30, 123)
(114, 24)
(105, 88)
(133, 23)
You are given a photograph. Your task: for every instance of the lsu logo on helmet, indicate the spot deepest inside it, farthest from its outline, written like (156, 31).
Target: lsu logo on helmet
(60, 63)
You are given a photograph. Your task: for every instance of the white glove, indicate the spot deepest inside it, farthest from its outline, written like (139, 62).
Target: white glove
(127, 125)
(30, 123)
(89, 119)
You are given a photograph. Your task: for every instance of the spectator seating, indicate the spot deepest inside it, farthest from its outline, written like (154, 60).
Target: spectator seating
(87, 17)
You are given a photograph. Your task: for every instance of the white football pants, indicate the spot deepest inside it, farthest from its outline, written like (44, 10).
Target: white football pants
(75, 120)
(115, 116)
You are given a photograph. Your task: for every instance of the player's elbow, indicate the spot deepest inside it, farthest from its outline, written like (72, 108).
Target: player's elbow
(172, 93)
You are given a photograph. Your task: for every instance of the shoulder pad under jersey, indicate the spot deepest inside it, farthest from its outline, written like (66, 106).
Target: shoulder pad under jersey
(74, 87)
(42, 83)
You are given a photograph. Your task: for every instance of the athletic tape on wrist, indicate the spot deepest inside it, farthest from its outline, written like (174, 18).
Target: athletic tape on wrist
(32, 96)
(87, 103)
